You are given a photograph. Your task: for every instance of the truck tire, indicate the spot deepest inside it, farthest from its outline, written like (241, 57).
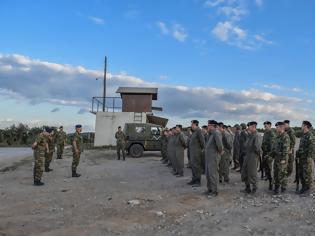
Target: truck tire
(136, 150)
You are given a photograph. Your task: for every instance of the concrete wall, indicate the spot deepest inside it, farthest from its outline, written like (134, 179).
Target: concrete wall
(106, 126)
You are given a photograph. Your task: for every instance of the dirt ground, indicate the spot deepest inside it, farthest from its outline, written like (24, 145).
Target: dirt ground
(141, 197)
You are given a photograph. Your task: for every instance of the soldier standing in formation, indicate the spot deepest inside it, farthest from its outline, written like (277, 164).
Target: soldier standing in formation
(213, 152)
(180, 145)
(251, 158)
(61, 138)
(280, 153)
(77, 149)
(120, 143)
(267, 144)
(50, 152)
(40, 147)
(188, 149)
(305, 155)
(291, 134)
(164, 141)
(227, 141)
(243, 138)
(236, 146)
(196, 146)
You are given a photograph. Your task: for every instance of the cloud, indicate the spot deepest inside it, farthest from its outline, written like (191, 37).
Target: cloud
(177, 31)
(229, 30)
(74, 86)
(55, 110)
(97, 20)
(259, 3)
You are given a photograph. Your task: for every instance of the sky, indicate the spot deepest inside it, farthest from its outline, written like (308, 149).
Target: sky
(229, 60)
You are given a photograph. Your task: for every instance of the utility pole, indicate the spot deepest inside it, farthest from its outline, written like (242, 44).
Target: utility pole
(104, 92)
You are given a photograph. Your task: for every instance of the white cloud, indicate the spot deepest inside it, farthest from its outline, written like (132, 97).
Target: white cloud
(97, 20)
(213, 3)
(177, 31)
(233, 13)
(259, 3)
(75, 86)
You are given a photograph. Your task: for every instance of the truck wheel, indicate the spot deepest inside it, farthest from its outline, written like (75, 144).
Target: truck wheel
(136, 150)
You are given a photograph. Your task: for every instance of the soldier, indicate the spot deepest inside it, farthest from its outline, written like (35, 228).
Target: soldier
(51, 148)
(196, 146)
(77, 149)
(236, 146)
(267, 143)
(120, 143)
(224, 169)
(213, 152)
(188, 149)
(204, 130)
(280, 153)
(169, 147)
(163, 141)
(172, 150)
(40, 147)
(251, 158)
(305, 155)
(291, 134)
(61, 138)
(243, 138)
(180, 145)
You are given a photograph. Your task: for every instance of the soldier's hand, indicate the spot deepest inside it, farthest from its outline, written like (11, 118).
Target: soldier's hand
(283, 162)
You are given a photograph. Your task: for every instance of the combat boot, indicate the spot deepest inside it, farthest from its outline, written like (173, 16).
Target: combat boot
(75, 174)
(254, 190)
(304, 190)
(38, 183)
(47, 169)
(247, 189)
(270, 185)
(283, 189)
(191, 182)
(196, 184)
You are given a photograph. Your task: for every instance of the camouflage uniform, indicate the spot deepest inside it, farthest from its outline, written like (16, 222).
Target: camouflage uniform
(305, 154)
(163, 141)
(120, 143)
(61, 138)
(78, 140)
(252, 150)
(213, 147)
(39, 156)
(267, 145)
(291, 134)
(180, 144)
(50, 153)
(236, 149)
(227, 141)
(196, 145)
(242, 152)
(281, 155)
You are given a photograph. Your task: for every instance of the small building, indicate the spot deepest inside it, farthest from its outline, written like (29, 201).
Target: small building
(136, 107)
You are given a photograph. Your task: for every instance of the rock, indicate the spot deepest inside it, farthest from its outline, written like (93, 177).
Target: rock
(134, 202)
(109, 198)
(159, 213)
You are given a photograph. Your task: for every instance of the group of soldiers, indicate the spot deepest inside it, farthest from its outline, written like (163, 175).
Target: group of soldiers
(212, 149)
(44, 148)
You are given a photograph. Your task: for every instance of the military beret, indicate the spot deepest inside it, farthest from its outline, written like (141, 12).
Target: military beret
(179, 126)
(78, 126)
(243, 125)
(267, 123)
(225, 126)
(61, 127)
(48, 129)
(251, 123)
(119, 127)
(212, 122)
(220, 124)
(237, 126)
(307, 123)
(195, 122)
(286, 121)
(204, 127)
(174, 127)
(279, 123)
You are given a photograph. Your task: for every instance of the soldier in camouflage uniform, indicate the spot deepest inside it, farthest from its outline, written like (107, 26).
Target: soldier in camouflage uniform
(305, 155)
(267, 144)
(243, 138)
(163, 141)
(280, 153)
(40, 147)
(77, 149)
(196, 146)
(251, 158)
(51, 148)
(204, 130)
(120, 143)
(227, 141)
(188, 149)
(213, 152)
(180, 145)
(291, 134)
(236, 146)
(61, 138)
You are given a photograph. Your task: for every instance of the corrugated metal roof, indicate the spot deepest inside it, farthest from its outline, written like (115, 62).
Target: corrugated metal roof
(138, 90)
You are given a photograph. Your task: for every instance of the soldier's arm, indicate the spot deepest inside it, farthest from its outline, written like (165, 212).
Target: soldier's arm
(257, 145)
(201, 140)
(74, 143)
(218, 142)
(286, 148)
(182, 140)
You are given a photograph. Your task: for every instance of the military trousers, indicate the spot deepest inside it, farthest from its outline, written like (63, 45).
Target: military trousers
(212, 172)
(249, 170)
(224, 169)
(196, 166)
(75, 161)
(290, 164)
(305, 171)
(60, 148)
(280, 174)
(39, 157)
(121, 148)
(48, 159)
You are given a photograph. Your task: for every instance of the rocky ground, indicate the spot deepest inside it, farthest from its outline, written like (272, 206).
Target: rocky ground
(141, 197)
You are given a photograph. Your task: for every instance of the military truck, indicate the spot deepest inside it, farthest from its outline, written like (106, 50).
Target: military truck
(142, 137)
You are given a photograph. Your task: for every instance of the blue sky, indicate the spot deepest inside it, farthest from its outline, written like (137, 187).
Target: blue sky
(259, 52)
